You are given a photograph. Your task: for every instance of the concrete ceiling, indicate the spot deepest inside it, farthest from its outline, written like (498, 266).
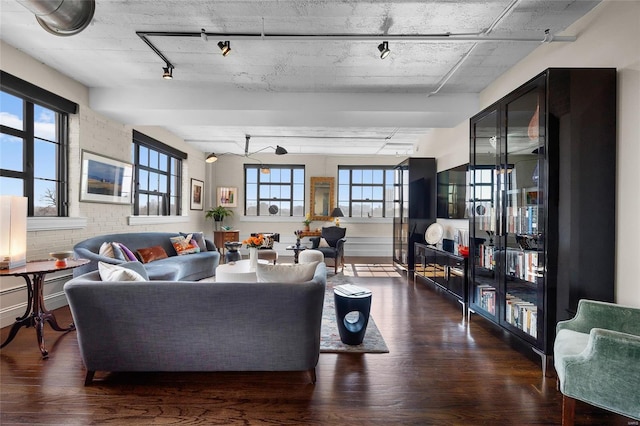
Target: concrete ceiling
(312, 95)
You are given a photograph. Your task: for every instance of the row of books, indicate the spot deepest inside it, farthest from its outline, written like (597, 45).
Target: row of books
(486, 298)
(519, 264)
(522, 314)
(522, 220)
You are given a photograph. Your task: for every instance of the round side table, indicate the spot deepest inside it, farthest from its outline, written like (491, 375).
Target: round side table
(348, 306)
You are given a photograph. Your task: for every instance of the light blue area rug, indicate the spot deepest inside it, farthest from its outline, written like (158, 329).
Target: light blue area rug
(373, 341)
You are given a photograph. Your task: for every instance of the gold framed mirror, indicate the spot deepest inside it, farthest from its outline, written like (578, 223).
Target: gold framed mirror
(322, 196)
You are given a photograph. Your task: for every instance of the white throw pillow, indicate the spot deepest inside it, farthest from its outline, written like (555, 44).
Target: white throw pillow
(285, 273)
(106, 249)
(323, 243)
(109, 272)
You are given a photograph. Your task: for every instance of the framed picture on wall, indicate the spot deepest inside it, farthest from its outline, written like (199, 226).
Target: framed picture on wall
(227, 196)
(197, 193)
(105, 180)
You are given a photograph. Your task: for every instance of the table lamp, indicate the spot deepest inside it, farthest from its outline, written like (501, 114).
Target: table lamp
(337, 213)
(13, 231)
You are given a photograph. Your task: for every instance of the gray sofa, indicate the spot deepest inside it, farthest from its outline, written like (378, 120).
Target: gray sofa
(174, 268)
(197, 326)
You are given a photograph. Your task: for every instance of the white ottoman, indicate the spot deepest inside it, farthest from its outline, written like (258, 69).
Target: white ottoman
(308, 256)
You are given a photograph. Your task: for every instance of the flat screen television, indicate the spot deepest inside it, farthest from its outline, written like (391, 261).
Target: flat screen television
(452, 192)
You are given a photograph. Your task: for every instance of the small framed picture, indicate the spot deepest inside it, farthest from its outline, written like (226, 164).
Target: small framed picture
(105, 180)
(227, 196)
(197, 192)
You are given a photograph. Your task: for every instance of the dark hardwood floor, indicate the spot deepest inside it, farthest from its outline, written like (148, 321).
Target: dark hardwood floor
(439, 371)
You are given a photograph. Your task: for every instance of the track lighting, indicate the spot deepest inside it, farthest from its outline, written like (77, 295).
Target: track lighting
(280, 150)
(168, 72)
(211, 158)
(225, 47)
(203, 35)
(384, 49)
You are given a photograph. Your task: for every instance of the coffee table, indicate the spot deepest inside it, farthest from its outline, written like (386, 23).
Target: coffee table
(237, 272)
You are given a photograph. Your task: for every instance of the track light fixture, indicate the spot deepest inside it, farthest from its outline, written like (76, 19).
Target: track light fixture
(384, 49)
(168, 72)
(225, 47)
(211, 158)
(203, 35)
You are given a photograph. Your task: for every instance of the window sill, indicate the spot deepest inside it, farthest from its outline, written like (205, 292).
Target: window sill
(55, 223)
(156, 220)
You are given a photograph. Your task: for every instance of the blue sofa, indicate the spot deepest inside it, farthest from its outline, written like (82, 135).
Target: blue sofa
(191, 267)
(203, 326)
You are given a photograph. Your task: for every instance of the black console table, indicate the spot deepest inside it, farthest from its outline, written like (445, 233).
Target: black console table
(445, 270)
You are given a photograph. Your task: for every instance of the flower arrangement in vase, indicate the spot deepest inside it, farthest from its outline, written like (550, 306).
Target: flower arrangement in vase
(252, 244)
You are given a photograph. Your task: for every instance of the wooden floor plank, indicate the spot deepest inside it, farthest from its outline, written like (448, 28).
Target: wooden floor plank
(440, 370)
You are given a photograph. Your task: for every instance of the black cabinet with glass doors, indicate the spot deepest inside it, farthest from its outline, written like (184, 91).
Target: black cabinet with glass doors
(414, 201)
(543, 161)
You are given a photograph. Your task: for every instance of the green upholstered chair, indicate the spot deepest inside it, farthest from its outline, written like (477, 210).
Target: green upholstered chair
(597, 359)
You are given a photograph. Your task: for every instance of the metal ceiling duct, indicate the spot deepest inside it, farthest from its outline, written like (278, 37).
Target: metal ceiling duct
(62, 17)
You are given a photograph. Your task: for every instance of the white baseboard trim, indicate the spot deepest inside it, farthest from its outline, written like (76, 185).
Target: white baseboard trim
(8, 314)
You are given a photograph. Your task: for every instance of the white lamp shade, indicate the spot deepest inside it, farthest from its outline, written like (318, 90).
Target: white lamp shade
(13, 231)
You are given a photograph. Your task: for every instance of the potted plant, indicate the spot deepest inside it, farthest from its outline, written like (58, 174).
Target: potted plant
(218, 214)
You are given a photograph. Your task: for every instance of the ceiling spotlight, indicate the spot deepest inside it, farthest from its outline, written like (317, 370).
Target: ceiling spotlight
(203, 35)
(168, 72)
(384, 49)
(280, 150)
(211, 158)
(225, 47)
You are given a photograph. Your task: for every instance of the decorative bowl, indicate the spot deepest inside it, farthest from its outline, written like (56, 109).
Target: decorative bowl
(61, 257)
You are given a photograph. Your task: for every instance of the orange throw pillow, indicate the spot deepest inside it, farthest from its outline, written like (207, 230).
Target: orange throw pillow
(150, 254)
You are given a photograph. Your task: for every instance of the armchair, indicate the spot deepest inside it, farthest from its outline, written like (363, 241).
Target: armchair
(334, 236)
(597, 359)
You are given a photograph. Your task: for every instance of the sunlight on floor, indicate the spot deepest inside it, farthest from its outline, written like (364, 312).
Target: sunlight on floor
(370, 270)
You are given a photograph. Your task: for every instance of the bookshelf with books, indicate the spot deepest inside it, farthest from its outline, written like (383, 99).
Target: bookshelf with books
(537, 196)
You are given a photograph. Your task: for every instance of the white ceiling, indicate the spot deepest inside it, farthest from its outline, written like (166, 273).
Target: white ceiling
(311, 96)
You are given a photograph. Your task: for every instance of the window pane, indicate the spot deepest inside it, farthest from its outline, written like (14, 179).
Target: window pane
(356, 209)
(298, 175)
(153, 181)
(173, 211)
(367, 176)
(45, 164)
(11, 186)
(162, 183)
(164, 163)
(44, 123)
(144, 156)
(378, 176)
(11, 153)
(356, 176)
(251, 175)
(343, 176)
(143, 185)
(11, 111)
(45, 198)
(376, 210)
(285, 175)
(153, 159)
(251, 207)
(356, 193)
(367, 192)
(377, 193)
